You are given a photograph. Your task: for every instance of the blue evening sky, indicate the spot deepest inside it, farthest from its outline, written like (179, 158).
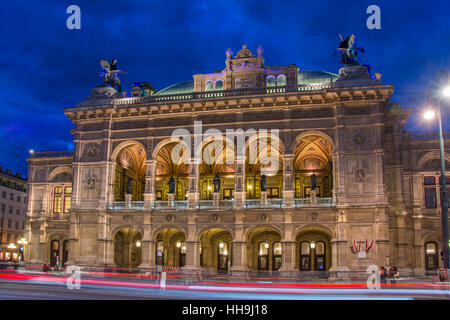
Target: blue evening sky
(44, 67)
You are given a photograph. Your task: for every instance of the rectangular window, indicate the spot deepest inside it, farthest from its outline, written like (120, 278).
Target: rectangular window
(18, 198)
(10, 210)
(68, 190)
(18, 212)
(4, 194)
(430, 198)
(58, 190)
(3, 208)
(11, 196)
(25, 200)
(66, 204)
(9, 224)
(57, 204)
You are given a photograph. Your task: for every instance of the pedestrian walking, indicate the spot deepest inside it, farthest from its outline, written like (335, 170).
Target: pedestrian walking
(383, 275)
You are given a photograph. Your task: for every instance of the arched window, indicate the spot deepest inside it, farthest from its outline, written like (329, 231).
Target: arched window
(277, 259)
(219, 84)
(209, 85)
(431, 256)
(305, 256)
(270, 81)
(281, 80)
(223, 256)
(320, 256)
(263, 256)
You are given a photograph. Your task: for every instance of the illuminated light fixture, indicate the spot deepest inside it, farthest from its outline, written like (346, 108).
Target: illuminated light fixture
(266, 245)
(178, 244)
(22, 241)
(446, 91)
(209, 188)
(230, 177)
(12, 246)
(221, 245)
(249, 187)
(225, 252)
(31, 151)
(313, 244)
(138, 243)
(431, 251)
(429, 114)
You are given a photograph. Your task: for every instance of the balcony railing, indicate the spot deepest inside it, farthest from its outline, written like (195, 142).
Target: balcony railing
(221, 204)
(220, 94)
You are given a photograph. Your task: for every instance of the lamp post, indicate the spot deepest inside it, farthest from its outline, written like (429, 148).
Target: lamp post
(444, 90)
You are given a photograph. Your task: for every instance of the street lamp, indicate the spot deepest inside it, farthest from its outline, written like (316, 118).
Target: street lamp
(22, 242)
(444, 91)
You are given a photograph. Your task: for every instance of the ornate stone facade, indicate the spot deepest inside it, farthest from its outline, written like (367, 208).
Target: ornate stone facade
(370, 178)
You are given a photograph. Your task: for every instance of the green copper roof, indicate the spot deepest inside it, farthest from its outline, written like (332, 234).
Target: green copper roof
(304, 77)
(178, 88)
(313, 77)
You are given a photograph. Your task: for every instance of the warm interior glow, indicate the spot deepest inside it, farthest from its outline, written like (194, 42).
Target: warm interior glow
(138, 243)
(313, 245)
(221, 245)
(209, 188)
(249, 187)
(266, 245)
(178, 244)
(12, 246)
(429, 114)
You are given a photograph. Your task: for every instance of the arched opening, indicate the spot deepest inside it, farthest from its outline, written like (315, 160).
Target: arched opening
(281, 80)
(54, 253)
(313, 251)
(264, 250)
(215, 250)
(264, 157)
(167, 167)
(209, 85)
(313, 165)
(171, 242)
(219, 84)
(271, 81)
(217, 159)
(130, 173)
(127, 248)
(431, 256)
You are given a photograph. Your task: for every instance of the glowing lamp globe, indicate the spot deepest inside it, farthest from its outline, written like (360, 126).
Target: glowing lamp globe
(428, 115)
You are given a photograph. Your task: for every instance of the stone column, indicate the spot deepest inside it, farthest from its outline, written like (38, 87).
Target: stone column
(288, 180)
(419, 259)
(382, 236)
(150, 180)
(128, 198)
(339, 250)
(192, 267)
(402, 241)
(148, 254)
(193, 193)
(288, 257)
(239, 182)
(239, 266)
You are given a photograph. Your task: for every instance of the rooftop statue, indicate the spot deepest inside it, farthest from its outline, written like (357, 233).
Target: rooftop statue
(229, 54)
(110, 71)
(260, 51)
(349, 50)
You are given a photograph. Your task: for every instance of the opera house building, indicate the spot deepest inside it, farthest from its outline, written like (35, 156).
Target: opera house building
(251, 169)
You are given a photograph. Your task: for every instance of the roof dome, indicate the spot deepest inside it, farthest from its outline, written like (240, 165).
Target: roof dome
(178, 88)
(304, 77)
